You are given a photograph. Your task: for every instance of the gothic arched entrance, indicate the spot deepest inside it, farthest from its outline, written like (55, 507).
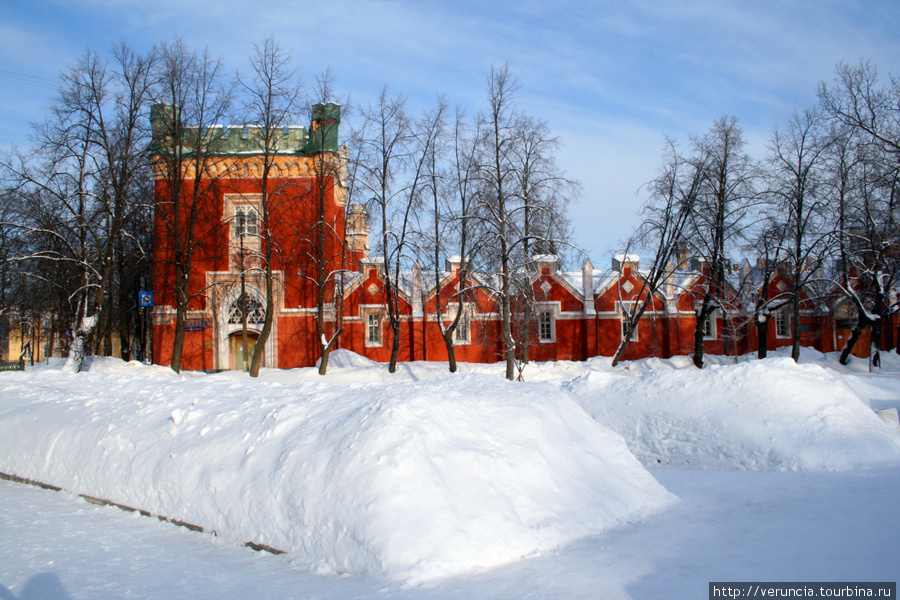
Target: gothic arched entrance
(239, 308)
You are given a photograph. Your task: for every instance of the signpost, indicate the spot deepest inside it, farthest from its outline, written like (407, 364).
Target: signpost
(145, 299)
(145, 302)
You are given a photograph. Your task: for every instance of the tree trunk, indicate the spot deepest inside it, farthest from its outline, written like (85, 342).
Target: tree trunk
(699, 331)
(259, 349)
(178, 338)
(626, 338)
(323, 363)
(854, 337)
(795, 324)
(875, 345)
(698, 345)
(326, 350)
(80, 339)
(762, 338)
(526, 335)
(451, 350)
(245, 342)
(508, 341)
(395, 345)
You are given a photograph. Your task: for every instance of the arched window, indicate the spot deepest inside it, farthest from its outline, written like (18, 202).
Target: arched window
(256, 312)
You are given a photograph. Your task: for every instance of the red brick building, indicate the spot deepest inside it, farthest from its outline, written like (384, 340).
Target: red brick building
(576, 315)
(308, 169)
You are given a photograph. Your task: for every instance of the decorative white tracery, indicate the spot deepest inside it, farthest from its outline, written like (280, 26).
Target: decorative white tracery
(254, 309)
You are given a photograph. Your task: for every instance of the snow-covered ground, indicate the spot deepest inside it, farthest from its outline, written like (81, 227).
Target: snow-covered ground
(426, 485)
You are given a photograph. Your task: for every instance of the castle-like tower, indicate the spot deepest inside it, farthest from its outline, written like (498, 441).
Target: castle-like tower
(210, 227)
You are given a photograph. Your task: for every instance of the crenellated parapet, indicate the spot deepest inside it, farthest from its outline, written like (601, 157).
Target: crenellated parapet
(238, 151)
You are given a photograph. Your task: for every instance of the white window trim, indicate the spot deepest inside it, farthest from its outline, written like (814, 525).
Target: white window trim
(551, 308)
(239, 218)
(787, 324)
(365, 314)
(635, 335)
(232, 203)
(465, 322)
(468, 317)
(624, 307)
(712, 321)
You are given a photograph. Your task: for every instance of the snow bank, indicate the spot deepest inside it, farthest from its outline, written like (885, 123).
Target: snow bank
(771, 414)
(408, 481)
(345, 359)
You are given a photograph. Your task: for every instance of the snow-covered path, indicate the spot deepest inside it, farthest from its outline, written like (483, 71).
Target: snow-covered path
(729, 525)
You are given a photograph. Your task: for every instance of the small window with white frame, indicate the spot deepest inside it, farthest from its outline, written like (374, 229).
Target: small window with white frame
(626, 309)
(373, 329)
(709, 327)
(245, 221)
(782, 324)
(241, 211)
(462, 333)
(547, 325)
(372, 320)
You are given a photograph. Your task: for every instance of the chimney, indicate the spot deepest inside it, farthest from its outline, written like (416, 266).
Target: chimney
(163, 120)
(417, 287)
(623, 262)
(357, 233)
(587, 286)
(548, 262)
(453, 264)
(669, 284)
(682, 255)
(326, 119)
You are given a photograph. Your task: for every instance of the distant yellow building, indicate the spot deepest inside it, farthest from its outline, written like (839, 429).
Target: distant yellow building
(31, 338)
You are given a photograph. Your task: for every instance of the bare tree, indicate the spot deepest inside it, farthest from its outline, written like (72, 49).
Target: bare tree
(328, 248)
(10, 275)
(667, 215)
(544, 192)
(452, 193)
(520, 213)
(273, 97)
(190, 97)
(383, 148)
(858, 101)
(863, 190)
(394, 153)
(720, 214)
(796, 157)
(496, 205)
(87, 172)
(769, 245)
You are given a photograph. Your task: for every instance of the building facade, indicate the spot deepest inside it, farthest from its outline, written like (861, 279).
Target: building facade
(214, 223)
(571, 315)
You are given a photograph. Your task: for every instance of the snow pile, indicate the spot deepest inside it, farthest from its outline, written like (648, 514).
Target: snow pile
(345, 359)
(771, 414)
(407, 481)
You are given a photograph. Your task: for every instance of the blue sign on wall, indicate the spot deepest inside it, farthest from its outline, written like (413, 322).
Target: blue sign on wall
(196, 324)
(145, 299)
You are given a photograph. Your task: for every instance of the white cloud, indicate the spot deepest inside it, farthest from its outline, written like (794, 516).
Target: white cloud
(611, 78)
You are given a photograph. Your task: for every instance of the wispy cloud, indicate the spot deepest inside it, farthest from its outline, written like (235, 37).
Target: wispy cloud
(611, 77)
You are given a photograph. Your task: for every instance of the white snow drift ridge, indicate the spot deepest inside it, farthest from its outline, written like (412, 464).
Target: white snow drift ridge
(769, 414)
(409, 481)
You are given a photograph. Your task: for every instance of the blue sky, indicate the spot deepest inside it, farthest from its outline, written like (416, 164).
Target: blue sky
(611, 78)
